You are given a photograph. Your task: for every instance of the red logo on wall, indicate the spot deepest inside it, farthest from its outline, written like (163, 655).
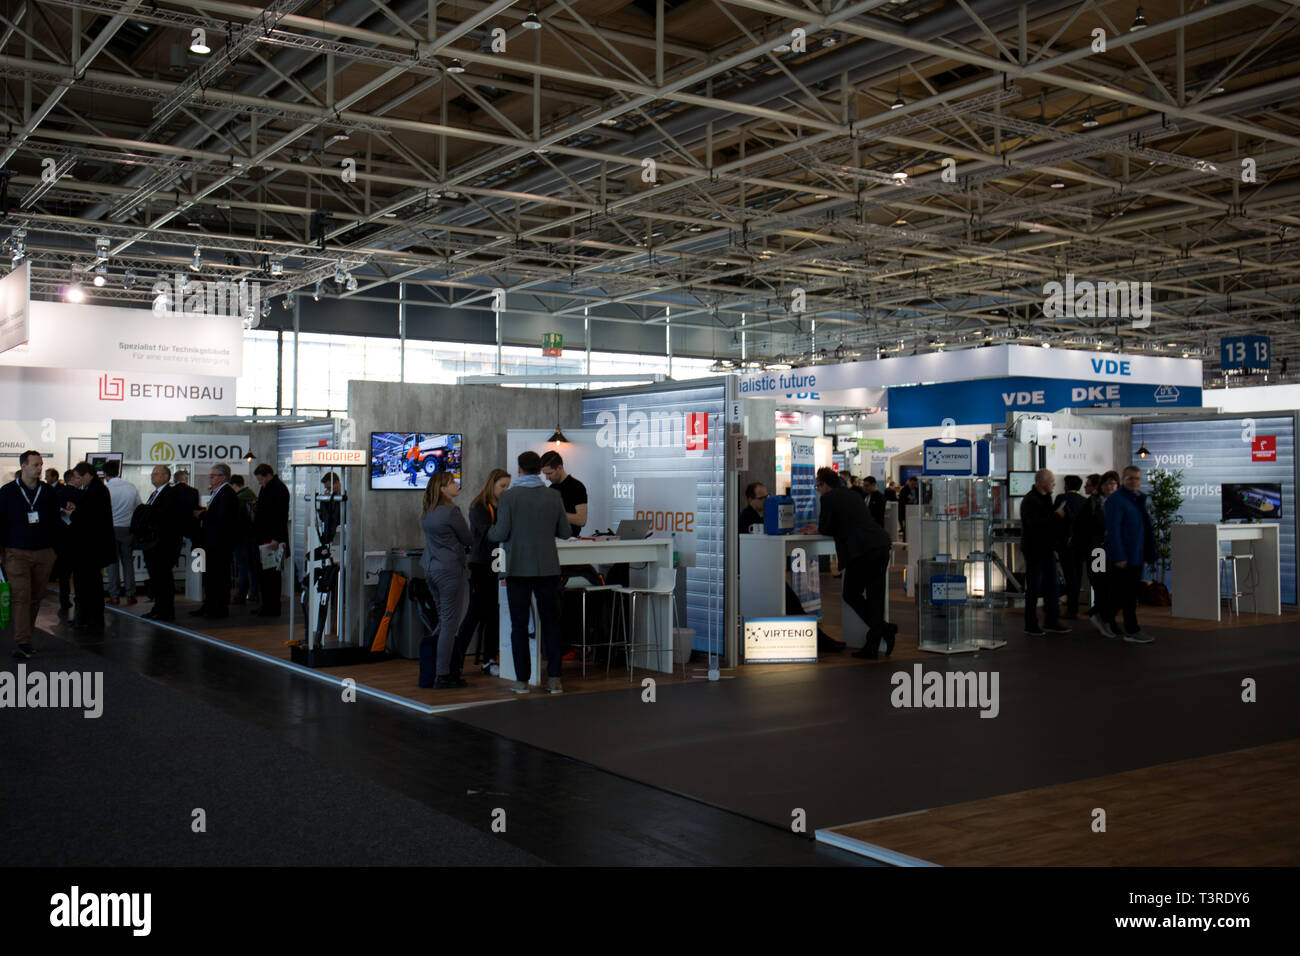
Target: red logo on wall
(111, 389)
(1264, 448)
(697, 431)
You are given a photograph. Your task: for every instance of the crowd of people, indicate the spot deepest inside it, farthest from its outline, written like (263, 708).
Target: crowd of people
(1100, 523)
(523, 517)
(70, 530)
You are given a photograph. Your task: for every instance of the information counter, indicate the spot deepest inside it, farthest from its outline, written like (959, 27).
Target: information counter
(763, 562)
(650, 564)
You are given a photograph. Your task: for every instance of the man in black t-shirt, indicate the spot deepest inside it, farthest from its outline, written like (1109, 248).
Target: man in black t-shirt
(571, 490)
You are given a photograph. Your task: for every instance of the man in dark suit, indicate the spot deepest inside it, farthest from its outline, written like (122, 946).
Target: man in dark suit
(168, 521)
(94, 546)
(216, 536)
(67, 491)
(187, 498)
(863, 550)
(875, 500)
(270, 526)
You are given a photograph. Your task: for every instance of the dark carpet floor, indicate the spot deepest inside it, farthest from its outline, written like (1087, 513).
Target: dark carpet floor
(121, 790)
(828, 741)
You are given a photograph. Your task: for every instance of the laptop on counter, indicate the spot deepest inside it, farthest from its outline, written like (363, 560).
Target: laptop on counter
(629, 530)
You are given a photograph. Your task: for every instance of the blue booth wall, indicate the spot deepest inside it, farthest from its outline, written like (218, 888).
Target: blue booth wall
(1211, 452)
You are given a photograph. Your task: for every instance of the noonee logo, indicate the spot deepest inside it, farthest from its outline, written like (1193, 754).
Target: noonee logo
(112, 389)
(162, 451)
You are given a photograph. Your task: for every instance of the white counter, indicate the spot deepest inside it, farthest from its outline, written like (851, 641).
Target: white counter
(763, 562)
(1197, 571)
(650, 560)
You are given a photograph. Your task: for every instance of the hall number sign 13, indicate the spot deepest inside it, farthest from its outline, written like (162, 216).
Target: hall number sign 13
(1245, 353)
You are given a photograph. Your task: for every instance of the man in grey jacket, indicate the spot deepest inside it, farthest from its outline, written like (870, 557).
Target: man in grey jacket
(530, 517)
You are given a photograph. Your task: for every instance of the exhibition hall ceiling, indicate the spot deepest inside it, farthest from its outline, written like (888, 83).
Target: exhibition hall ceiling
(812, 180)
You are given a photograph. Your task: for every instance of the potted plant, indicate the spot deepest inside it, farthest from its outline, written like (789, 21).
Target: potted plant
(1165, 499)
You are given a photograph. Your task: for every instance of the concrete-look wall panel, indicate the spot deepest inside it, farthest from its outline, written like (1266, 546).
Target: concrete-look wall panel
(261, 441)
(481, 413)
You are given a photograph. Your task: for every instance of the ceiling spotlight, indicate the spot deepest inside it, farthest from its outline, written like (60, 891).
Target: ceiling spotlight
(900, 221)
(532, 23)
(1090, 120)
(900, 176)
(75, 293)
(1219, 88)
(898, 103)
(828, 41)
(781, 47)
(197, 262)
(277, 267)
(455, 66)
(1139, 22)
(101, 276)
(101, 247)
(695, 229)
(320, 287)
(609, 122)
(1058, 183)
(351, 284)
(197, 45)
(128, 279)
(338, 273)
(1047, 345)
(287, 303)
(266, 308)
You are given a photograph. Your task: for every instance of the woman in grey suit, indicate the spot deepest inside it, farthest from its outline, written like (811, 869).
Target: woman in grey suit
(446, 542)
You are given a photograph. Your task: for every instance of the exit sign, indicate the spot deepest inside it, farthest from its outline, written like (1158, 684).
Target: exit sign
(552, 343)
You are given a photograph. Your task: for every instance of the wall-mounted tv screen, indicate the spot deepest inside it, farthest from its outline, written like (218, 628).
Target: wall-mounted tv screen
(1020, 483)
(410, 459)
(1252, 502)
(97, 459)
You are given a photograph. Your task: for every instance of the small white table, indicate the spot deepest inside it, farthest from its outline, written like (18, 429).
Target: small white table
(651, 563)
(1197, 570)
(763, 562)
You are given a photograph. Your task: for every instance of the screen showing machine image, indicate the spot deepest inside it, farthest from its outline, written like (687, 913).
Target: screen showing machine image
(410, 459)
(1252, 502)
(97, 459)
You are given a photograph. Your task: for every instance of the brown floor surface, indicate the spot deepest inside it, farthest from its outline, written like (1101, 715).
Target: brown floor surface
(1232, 809)
(398, 676)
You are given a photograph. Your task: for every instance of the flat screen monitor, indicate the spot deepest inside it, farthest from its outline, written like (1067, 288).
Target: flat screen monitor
(97, 459)
(1252, 502)
(409, 459)
(1019, 483)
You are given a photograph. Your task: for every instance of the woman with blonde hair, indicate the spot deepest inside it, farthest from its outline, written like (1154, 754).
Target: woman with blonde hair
(484, 611)
(446, 539)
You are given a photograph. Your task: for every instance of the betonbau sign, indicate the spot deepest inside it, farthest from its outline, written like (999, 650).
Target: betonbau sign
(165, 449)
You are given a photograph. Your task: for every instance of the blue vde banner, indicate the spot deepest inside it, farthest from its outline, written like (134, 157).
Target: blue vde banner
(987, 401)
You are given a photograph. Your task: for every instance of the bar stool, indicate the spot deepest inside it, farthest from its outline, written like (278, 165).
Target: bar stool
(630, 642)
(1229, 561)
(589, 589)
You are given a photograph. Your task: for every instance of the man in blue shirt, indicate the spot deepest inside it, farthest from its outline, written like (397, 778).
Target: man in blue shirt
(1130, 544)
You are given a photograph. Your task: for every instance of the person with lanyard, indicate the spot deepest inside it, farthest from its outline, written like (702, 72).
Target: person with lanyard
(484, 611)
(29, 527)
(571, 490)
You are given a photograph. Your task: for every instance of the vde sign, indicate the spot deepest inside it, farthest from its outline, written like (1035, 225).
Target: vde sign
(340, 457)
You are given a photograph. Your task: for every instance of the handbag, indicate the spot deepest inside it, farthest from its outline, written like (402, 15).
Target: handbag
(272, 556)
